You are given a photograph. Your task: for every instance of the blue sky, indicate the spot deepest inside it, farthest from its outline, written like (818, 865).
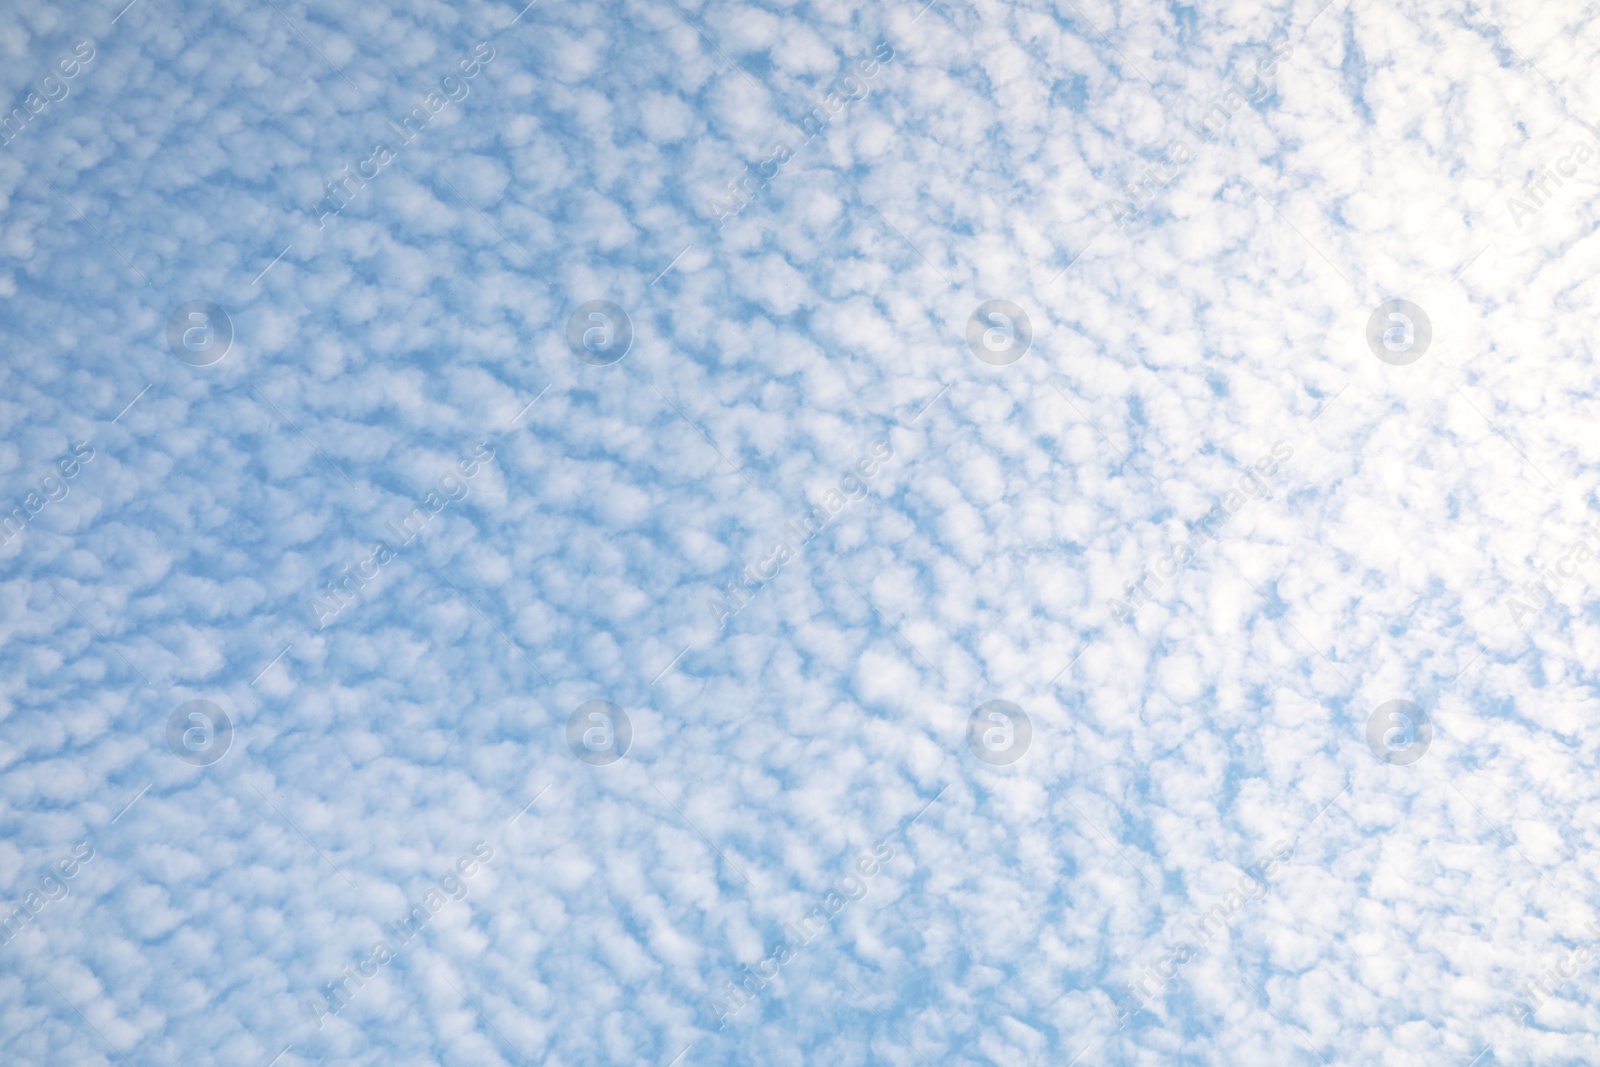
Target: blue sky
(387, 677)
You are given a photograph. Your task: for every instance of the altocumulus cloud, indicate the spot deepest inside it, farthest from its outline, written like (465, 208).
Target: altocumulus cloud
(289, 533)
